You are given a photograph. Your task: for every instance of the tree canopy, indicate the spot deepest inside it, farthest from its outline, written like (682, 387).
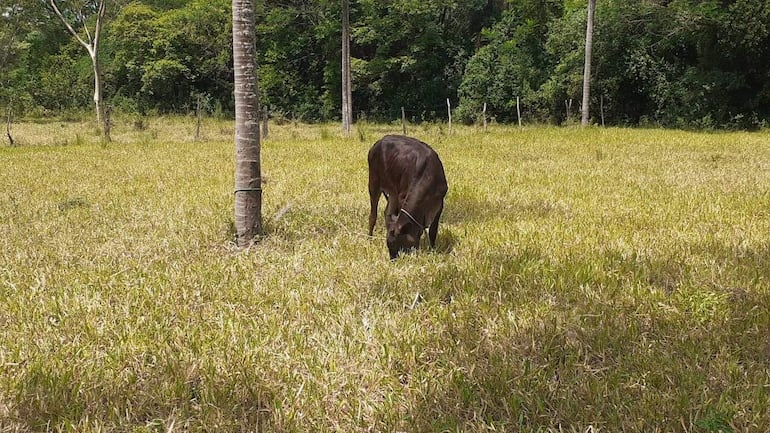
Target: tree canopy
(679, 63)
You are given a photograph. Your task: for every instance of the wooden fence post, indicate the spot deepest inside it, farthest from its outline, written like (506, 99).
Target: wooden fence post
(601, 108)
(518, 110)
(8, 126)
(484, 115)
(265, 115)
(198, 115)
(108, 123)
(449, 112)
(403, 120)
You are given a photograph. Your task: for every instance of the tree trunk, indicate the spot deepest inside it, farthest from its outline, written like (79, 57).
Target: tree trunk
(347, 97)
(98, 98)
(248, 181)
(587, 70)
(91, 44)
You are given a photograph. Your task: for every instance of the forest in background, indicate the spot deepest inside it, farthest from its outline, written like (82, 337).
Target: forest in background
(673, 63)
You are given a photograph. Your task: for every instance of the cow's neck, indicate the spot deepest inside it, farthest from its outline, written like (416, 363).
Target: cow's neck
(414, 220)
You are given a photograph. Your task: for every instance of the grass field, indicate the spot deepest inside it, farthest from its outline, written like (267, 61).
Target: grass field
(585, 280)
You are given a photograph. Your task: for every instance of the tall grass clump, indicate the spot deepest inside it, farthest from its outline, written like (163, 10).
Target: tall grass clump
(597, 279)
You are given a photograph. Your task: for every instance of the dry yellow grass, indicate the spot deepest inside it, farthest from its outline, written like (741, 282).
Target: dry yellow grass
(614, 279)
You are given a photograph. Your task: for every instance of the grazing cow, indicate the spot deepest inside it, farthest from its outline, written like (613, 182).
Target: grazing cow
(411, 177)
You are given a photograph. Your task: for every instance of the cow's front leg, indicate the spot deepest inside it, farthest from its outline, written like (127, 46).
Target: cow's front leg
(433, 230)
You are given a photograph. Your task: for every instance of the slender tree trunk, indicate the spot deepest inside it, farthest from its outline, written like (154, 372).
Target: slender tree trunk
(91, 44)
(98, 96)
(347, 98)
(587, 70)
(248, 181)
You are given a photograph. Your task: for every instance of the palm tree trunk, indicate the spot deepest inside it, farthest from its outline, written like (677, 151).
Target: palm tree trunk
(248, 181)
(587, 69)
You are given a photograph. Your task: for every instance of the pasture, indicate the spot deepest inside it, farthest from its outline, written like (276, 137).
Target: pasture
(584, 280)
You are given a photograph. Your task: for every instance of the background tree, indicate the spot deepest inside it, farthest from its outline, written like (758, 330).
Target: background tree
(413, 54)
(347, 103)
(587, 70)
(163, 59)
(18, 20)
(79, 14)
(677, 64)
(248, 181)
(299, 49)
(512, 62)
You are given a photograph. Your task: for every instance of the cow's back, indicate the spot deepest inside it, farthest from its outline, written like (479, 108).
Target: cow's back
(398, 162)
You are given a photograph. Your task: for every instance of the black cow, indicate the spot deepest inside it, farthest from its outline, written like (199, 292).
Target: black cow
(410, 175)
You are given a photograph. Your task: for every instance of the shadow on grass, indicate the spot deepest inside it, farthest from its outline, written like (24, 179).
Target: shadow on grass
(70, 397)
(446, 240)
(462, 208)
(469, 207)
(73, 203)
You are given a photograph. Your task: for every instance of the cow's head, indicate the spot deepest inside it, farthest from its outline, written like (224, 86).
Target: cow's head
(403, 234)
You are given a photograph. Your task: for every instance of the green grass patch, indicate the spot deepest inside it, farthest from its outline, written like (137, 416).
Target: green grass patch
(613, 279)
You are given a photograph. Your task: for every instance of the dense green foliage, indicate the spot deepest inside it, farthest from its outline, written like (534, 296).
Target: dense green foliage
(676, 63)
